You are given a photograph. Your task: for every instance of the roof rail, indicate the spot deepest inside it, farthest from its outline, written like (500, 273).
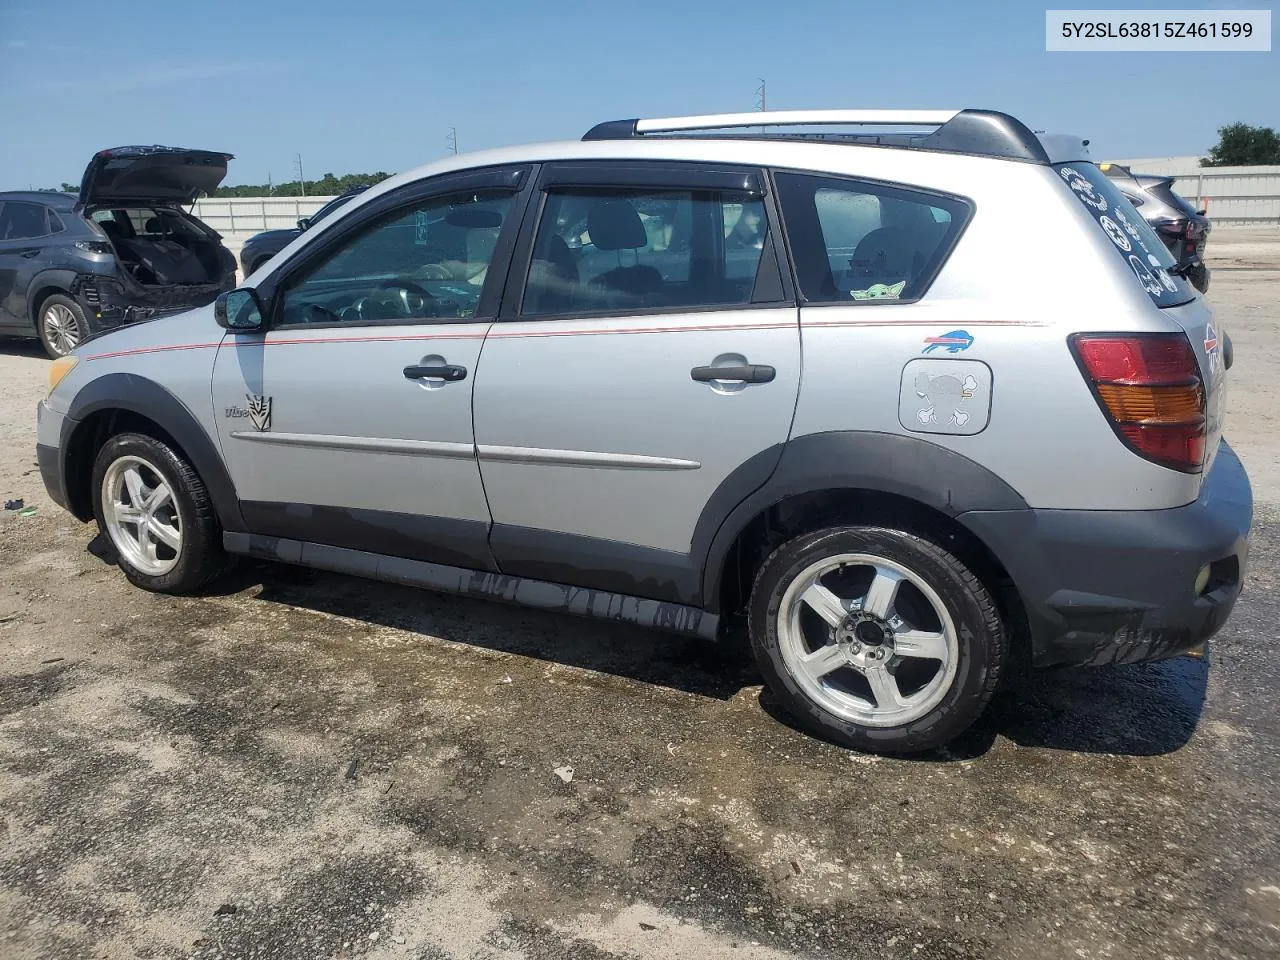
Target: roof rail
(985, 133)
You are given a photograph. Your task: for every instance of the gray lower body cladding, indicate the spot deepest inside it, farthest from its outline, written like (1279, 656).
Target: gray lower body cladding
(1119, 586)
(560, 598)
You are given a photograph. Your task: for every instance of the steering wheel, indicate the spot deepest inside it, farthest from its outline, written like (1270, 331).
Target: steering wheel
(412, 297)
(434, 271)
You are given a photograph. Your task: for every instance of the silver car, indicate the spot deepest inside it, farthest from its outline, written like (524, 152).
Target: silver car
(829, 378)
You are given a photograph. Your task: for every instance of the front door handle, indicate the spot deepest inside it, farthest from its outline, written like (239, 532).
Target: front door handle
(29, 253)
(742, 373)
(448, 372)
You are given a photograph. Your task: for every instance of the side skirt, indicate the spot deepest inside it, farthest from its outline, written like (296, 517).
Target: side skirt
(560, 598)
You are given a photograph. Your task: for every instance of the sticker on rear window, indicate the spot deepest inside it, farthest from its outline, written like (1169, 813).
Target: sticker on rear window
(1133, 238)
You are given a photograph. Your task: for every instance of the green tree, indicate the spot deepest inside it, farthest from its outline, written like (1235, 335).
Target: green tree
(1240, 145)
(327, 186)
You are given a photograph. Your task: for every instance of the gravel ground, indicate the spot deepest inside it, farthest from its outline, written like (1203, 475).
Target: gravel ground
(309, 765)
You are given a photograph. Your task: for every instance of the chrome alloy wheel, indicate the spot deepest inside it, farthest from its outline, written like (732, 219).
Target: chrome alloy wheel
(61, 328)
(868, 640)
(141, 516)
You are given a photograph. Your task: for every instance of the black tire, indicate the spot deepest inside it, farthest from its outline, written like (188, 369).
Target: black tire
(48, 339)
(981, 634)
(200, 557)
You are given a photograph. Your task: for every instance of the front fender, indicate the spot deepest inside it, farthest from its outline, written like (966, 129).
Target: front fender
(137, 395)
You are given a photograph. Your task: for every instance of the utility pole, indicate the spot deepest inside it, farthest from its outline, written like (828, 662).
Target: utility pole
(761, 103)
(301, 179)
(452, 140)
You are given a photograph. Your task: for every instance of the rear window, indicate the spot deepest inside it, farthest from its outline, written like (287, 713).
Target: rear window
(858, 242)
(1133, 239)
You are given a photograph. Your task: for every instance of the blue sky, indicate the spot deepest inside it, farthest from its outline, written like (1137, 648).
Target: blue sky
(377, 84)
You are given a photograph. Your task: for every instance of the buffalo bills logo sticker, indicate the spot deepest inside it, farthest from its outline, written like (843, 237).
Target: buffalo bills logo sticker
(1210, 339)
(954, 342)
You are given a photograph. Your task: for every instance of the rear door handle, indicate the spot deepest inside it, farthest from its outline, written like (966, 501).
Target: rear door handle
(448, 372)
(742, 373)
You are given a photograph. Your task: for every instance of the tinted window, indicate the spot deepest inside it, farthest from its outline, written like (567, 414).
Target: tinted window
(1134, 241)
(601, 250)
(853, 241)
(426, 262)
(23, 221)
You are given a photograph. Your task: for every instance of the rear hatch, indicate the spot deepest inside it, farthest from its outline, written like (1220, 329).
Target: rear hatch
(151, 175)
(1150, 261)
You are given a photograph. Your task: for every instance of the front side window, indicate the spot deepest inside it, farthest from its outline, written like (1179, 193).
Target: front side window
(854, 242)
(425, 262)
(23, 221)
(613, 249)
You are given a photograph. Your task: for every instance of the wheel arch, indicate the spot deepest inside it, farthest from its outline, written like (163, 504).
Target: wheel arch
(855, 477)
(42, 287)
(121, 402)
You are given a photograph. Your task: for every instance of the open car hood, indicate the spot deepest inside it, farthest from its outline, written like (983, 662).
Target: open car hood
(159, 175)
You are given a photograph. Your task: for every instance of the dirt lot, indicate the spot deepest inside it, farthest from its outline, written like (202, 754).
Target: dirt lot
(307, 765)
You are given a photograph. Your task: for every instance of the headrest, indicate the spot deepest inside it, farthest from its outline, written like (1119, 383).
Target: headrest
(614, 225)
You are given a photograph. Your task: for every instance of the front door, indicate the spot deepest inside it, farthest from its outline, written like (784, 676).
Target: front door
(24, 234)
(349, 422)
(646, 364)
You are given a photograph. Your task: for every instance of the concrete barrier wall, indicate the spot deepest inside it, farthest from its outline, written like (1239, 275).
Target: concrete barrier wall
(238, 218)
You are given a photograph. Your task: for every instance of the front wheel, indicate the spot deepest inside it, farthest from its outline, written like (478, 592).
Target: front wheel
(876, 638)
(156, 512)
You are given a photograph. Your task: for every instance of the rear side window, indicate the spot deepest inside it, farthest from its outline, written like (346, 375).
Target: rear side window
(855, 242)
(618, 249)
(1133, 239)
(23, 221)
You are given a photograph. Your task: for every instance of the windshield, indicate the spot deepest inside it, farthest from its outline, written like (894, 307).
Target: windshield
(1133, 239)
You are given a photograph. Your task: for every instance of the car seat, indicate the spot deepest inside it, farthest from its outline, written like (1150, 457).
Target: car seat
(614, 224)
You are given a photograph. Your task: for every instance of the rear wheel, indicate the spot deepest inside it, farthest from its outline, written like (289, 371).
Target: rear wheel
(157, 514)
(61, 325)
(875, 638)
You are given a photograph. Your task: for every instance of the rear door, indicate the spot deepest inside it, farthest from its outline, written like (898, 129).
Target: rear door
(349, 422)
(646, 363)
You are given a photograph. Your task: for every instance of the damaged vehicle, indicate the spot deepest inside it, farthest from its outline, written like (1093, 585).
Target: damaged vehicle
(124, 250)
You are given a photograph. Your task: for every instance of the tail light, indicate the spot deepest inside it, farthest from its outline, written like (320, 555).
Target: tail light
(1149, 387)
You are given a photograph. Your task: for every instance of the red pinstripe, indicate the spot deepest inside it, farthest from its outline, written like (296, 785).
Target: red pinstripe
(500, 334)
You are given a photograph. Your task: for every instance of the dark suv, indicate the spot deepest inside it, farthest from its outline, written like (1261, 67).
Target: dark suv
(1180, 226)
(261, 247)
(123, 251)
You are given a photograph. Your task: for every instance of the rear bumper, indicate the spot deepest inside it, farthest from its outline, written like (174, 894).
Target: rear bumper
(109, 303)
(1103, 587)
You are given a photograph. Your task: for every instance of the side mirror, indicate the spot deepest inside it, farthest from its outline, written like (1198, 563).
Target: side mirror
(304, 222)
(238, 310)
(1203, 213)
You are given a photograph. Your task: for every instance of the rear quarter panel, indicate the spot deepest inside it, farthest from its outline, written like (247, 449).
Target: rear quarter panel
(1030, 269)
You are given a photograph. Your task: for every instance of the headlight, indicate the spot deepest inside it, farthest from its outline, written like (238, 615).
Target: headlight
(59, 369)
